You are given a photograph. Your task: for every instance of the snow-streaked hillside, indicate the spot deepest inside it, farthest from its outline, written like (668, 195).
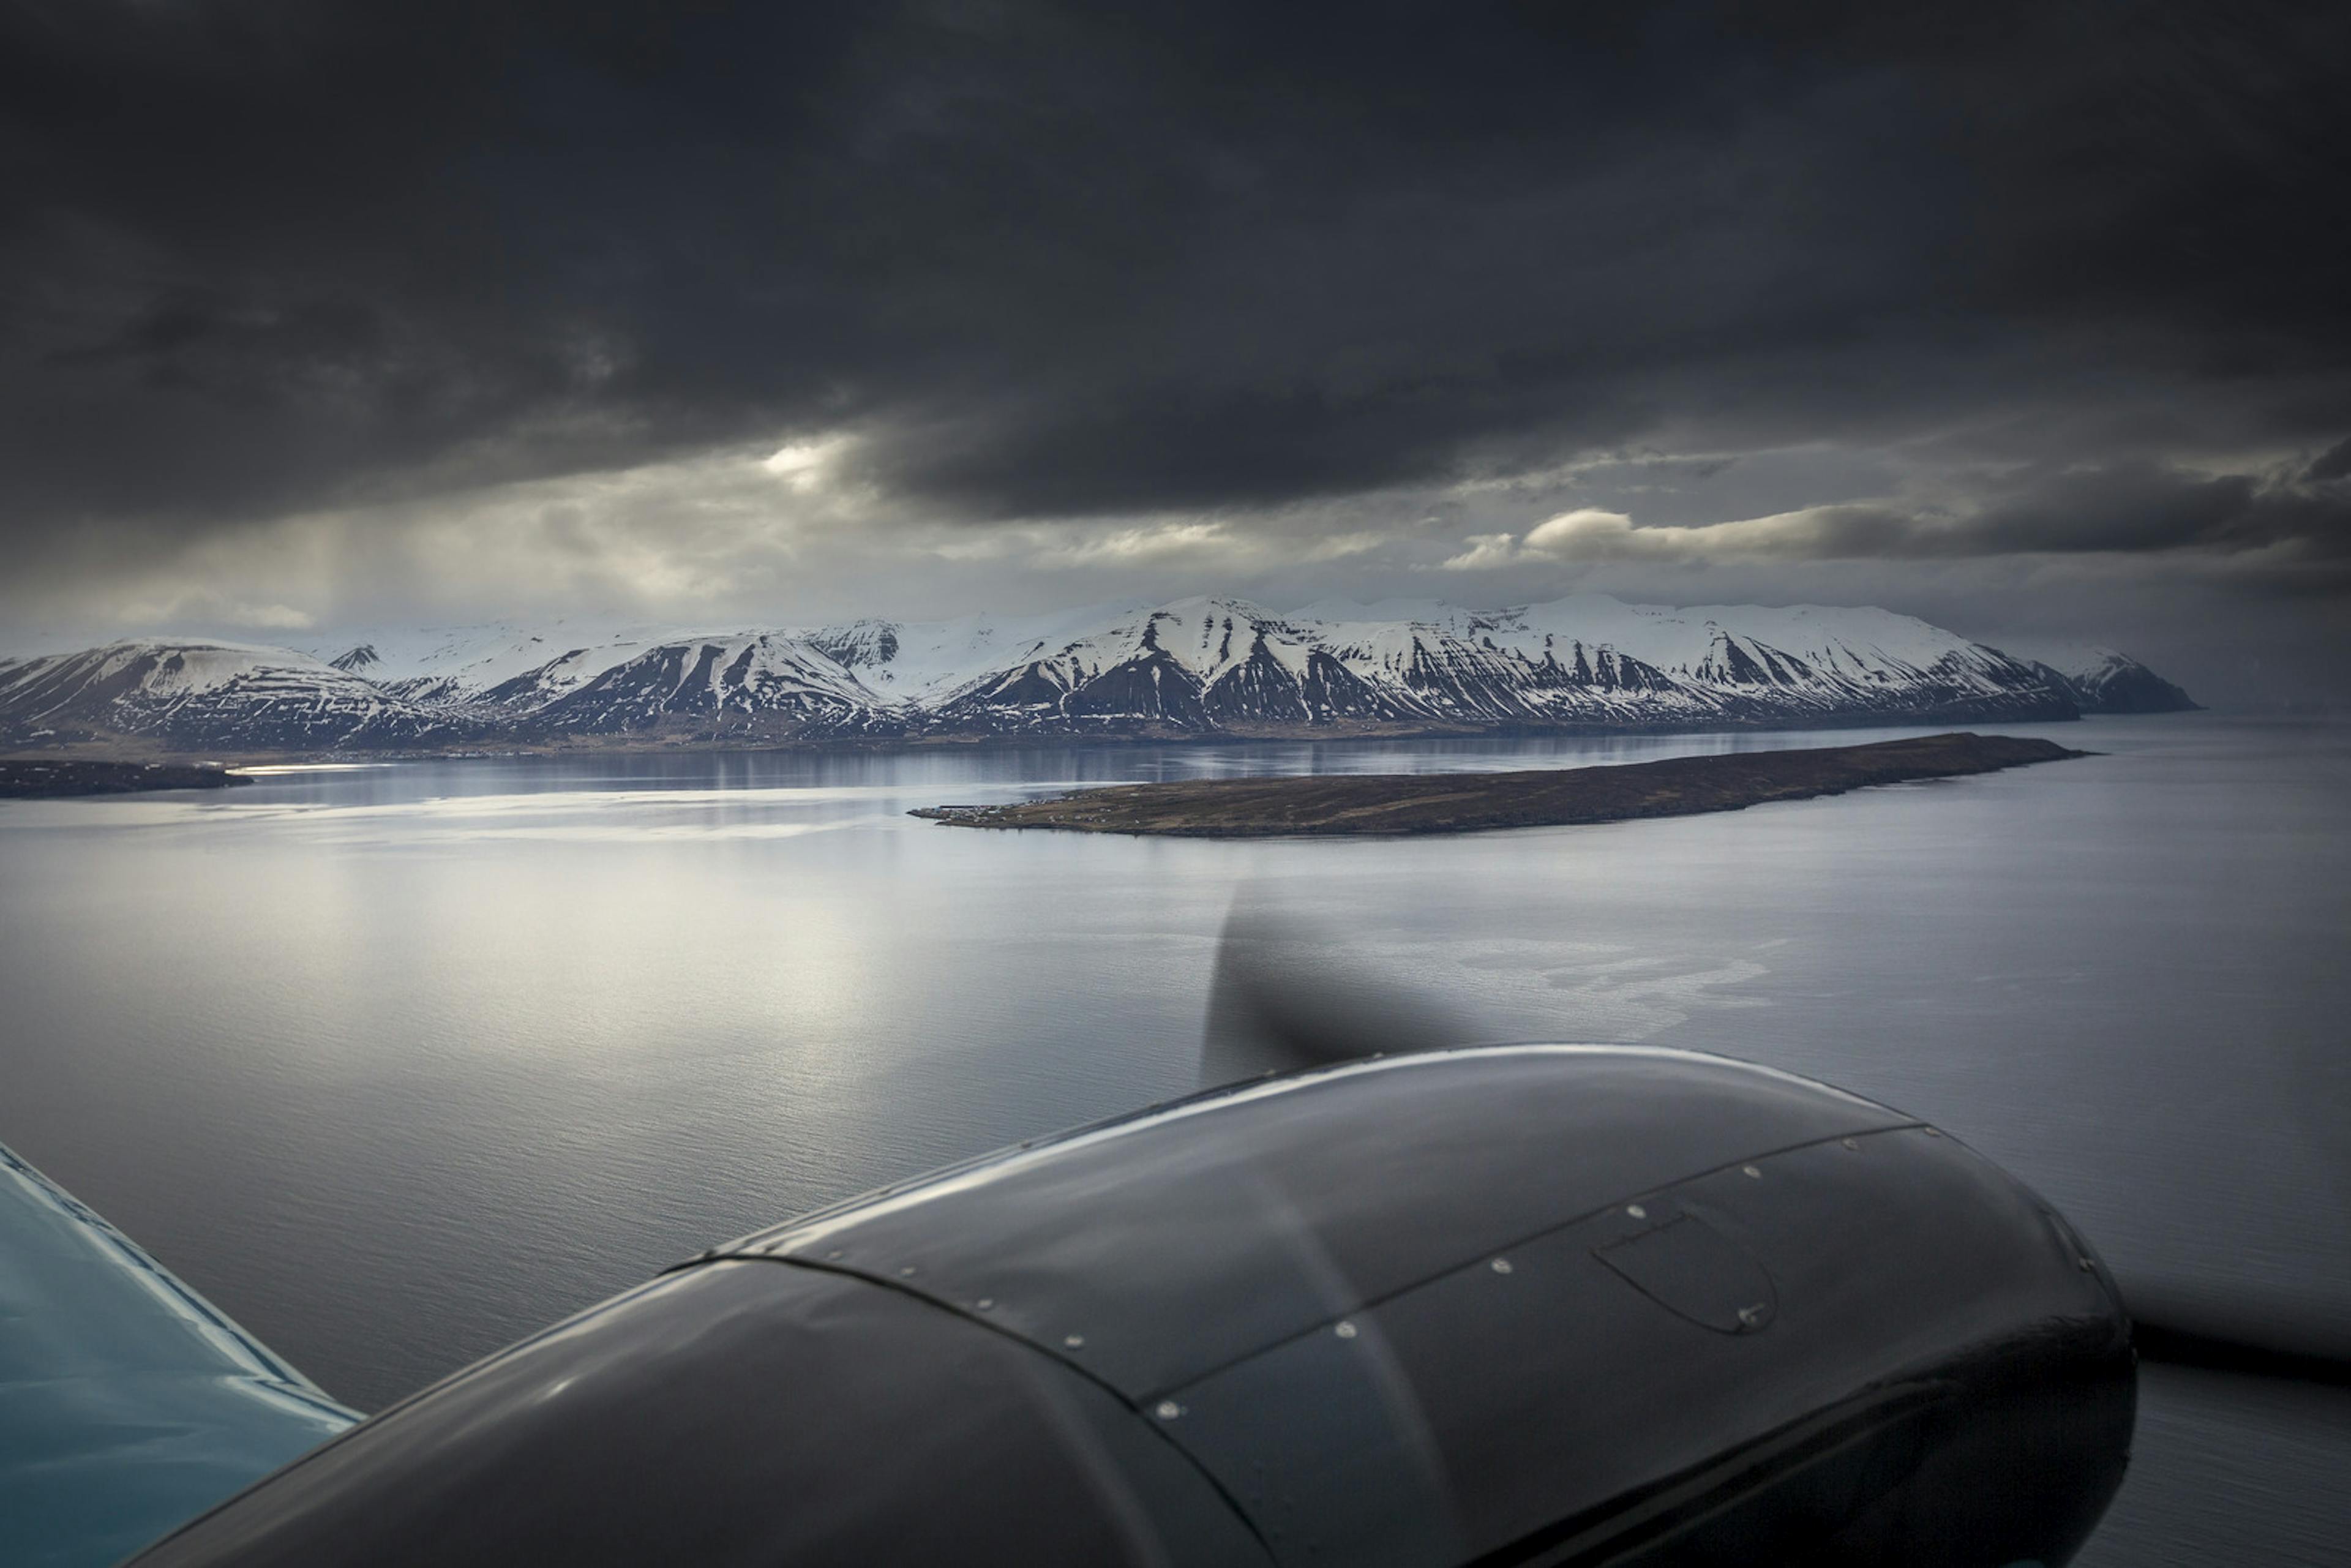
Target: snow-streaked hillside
(196, 693)
(1214, 663)
(570, 678)
(916, 663)
(748, 684)
(1195, 667)
(2101, 680)
(459, 664)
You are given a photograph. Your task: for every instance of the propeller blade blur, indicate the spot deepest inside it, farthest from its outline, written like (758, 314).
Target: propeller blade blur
(1285, 998)
(2174, 1328)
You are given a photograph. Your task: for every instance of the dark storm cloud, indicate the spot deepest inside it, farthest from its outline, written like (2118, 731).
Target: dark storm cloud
(2140, 507)
(2135, 508)
(2334, 463)
(1060, 260)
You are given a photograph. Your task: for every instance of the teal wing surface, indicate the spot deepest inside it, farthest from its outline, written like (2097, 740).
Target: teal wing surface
(128, 1403)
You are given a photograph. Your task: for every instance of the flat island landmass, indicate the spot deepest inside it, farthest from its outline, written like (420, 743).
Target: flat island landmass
(1394, 803)
(41, 778)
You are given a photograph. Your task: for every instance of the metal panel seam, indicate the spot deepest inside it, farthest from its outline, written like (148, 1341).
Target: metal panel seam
(1129, 1406)
(1371, 1303)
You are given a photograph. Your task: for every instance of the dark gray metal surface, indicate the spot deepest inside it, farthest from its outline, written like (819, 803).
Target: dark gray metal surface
(741, 1413)
(1166, 1251)
(1512, 1305)
(1475, 1412)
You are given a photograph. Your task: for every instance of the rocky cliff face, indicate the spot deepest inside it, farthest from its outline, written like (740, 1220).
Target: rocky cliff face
(1195, 667)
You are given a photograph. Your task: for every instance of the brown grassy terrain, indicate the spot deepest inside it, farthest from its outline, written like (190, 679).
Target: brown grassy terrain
(1389, 803)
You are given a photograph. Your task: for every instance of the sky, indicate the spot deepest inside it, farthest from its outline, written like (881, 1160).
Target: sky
(2031, 319)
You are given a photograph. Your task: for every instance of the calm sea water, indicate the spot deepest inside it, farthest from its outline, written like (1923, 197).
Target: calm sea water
(397, 1063)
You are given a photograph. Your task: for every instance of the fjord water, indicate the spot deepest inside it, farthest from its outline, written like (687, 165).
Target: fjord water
(398, 1063)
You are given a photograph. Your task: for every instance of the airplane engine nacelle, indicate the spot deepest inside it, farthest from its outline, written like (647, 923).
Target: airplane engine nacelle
(1528, 1304)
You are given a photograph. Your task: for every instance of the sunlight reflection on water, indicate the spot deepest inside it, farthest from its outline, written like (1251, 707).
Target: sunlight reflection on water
(400, 1062)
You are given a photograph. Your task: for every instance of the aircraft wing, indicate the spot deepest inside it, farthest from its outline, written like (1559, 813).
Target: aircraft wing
(128, 1403)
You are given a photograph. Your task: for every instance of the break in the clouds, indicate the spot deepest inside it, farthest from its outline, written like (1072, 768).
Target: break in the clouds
(306, 308)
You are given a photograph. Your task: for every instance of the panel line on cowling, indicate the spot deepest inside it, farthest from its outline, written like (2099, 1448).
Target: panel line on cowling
(1133, 1407)
(1371, 1303)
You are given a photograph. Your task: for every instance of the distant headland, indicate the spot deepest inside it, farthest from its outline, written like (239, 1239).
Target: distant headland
(40, 778)
(1400, 803)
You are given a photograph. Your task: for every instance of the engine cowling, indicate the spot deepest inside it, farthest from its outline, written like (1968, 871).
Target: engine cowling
(1520, 1304)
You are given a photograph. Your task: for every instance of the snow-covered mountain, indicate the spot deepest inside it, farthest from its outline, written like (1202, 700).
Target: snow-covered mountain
(443, 664)
(746, 685)
(204, 695)
(1195, 667)
(2101, 680)
(1225, 664)
(915, 664)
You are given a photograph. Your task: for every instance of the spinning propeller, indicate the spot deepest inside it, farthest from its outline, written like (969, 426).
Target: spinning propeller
(1281, 1001)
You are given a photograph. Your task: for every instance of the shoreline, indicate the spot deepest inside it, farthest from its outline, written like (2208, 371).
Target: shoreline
(39, 778)
(1394, 805)
(137, 749)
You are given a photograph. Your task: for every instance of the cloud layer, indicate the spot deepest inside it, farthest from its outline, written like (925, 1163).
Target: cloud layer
(695, 302)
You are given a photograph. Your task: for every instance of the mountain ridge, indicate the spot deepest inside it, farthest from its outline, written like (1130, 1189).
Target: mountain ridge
(2103, 679)
(1197, 668)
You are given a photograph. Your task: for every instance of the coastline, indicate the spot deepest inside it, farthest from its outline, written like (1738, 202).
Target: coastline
(37, 778)
(1394, 805)
(136, 750)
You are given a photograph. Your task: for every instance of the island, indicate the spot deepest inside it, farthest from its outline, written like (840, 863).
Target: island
(38, 778)
(1397, 803)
